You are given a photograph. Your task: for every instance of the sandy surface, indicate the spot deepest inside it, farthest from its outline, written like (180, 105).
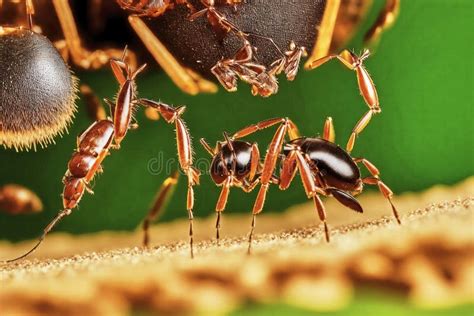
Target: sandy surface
(429, 258)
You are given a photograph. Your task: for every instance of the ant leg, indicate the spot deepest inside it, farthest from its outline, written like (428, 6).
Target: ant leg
(221, 203)
(47, 229)
(94, 107)
(30, 11)
(207, 147)
(165, 192)
(254, 161)
(185, 153)
(328, 131)
(288, 170)
(81, 56)
(387, 17)
(252, 228)
(187, 81)
(269, 164)
(293, 130)
(311, 189)
(375, 180)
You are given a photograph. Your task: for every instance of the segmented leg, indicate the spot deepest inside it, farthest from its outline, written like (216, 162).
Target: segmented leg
(161, 198)
(271, 159)
(375, 180)
(95, 109)
(187, 81)
(366, 87)
(328, 131)
(185, 154)
(387, 17)
(30, 11)
(80, 56)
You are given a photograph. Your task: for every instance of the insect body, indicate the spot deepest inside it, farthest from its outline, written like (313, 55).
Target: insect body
(16, 199)
(102, 136)
(325, 170)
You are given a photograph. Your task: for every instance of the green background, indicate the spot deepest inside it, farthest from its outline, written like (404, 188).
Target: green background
(424, 136)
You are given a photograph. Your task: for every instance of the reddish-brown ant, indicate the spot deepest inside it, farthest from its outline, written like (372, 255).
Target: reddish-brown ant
(237, 163)
(95, 143)
(325, 168)
(16, 199)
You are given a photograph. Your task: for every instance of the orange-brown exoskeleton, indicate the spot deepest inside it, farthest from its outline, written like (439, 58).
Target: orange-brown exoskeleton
(102, 136)
(16, 199)
(366, 87)
(325, 170)
(188, 48)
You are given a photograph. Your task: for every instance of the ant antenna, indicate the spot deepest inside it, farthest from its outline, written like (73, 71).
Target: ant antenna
(47, 229)
(250, 34)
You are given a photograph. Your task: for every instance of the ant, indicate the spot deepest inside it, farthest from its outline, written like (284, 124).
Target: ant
(263, 81)
(96, 142)
(236, 163)
(325, 168)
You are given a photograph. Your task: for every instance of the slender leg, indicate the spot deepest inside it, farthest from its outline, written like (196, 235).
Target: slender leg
(383, 188)
(329, 134)
(185, 153)
(322, 214)
(257, 127)
(48, 228)
(81, 56)
(252, 228)
(385, 20)
(207, 147)
(188, 82)
(165, 192)
(30, 11)
(254, 161)
(288, 170)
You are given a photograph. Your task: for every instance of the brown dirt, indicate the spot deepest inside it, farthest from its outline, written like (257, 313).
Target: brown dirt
(428, 258)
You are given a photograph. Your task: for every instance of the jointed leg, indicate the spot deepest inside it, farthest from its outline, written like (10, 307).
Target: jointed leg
(185, 155)
(383, 188)
(81, 56)
(30, 11)
(328, 132)
(187, 81)
(385, 20)
(161, 198)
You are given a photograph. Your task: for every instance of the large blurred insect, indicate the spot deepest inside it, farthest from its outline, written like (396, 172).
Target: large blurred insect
(325, 168)
(94, 145)
(189, 48)
(37, 103)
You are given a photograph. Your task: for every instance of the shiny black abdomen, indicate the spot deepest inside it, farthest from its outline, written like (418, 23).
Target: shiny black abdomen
(335, 165)
(243, 151)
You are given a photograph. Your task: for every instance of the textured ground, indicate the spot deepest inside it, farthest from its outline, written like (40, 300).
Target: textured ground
(429, 259)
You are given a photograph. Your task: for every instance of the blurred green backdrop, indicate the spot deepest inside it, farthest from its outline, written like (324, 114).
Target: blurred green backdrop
(424, 136)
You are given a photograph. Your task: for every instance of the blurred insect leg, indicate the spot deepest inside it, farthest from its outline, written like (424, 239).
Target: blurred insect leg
(161, 198)
(387, 17)
(328, 131)
(30, 11)
(322, 215)
(94, 107)
(47, 229)
(80, 56)
(325, 32)
(190, 83)
(383, 188)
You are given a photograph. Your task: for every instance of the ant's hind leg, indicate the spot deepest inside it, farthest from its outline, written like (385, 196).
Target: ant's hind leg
(375, 180)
